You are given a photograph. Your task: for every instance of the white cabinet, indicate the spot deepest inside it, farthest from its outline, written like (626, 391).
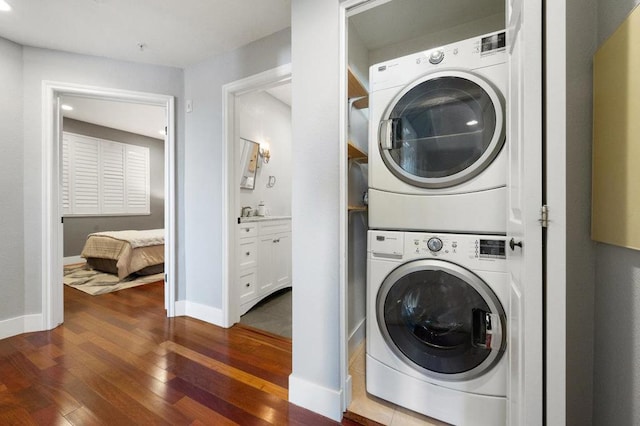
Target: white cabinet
(247, 255)
(264, 260)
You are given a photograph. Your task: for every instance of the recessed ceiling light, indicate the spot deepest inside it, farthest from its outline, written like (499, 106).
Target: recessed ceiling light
(4, 6)
(472, 122)
(66, 107)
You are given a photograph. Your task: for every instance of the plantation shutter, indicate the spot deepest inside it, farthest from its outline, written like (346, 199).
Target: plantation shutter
(65, 191)
(137, 171)
(113, 178)
(101, 177)
(85, 180)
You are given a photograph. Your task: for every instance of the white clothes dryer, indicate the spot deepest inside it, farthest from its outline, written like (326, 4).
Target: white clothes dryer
(436, 324)
(436, 139)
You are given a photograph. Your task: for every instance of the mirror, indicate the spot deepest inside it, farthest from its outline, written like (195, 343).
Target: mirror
(249, 164)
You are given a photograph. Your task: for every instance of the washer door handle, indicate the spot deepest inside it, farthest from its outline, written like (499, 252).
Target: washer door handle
(384, 133)
(487, 330)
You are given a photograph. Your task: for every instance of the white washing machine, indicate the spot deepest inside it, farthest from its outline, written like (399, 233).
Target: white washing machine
(436, 139)
(436, 324)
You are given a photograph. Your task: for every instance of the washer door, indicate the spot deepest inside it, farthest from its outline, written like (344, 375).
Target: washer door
(442, 129)
(441, 319)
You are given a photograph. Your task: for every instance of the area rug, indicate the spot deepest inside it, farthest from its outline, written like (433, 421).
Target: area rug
(95, 282)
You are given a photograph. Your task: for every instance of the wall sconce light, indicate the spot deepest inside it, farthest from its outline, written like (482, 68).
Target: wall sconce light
(264, 152)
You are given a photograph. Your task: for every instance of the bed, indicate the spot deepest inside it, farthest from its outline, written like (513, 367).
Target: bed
(123, 253)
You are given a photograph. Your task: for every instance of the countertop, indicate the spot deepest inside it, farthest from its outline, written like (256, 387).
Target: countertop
(262, 218)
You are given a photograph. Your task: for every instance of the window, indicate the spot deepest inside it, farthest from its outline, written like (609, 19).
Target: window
(101, 177)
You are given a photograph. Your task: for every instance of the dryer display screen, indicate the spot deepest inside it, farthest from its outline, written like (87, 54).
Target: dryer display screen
(493, 42)
(492, 249)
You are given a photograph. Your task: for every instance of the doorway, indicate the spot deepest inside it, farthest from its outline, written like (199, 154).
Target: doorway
(53, 303)
(112, 193)
(423, 25)
(232, 294)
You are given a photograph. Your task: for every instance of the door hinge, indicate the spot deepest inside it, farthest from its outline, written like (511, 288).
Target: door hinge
(544, 216)
(166, 131)
(165, 278)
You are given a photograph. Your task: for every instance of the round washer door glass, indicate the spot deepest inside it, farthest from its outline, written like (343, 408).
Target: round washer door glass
(441, 319)
(442, 130)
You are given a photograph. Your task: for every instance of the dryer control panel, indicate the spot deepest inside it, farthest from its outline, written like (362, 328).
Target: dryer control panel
(487, 252)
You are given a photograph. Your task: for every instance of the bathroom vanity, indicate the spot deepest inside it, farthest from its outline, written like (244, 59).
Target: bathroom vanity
(264, 258)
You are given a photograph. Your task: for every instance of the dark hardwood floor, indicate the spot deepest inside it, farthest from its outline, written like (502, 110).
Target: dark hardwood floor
(117, 360)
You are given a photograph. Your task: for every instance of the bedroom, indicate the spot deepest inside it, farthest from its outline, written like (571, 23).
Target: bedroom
(112, 181)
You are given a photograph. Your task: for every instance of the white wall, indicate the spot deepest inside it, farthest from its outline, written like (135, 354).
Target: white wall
(12, 286)
(262, 118)
(616, 397)
(315, 381)
(440, 38)
(203, 158)
(43, 64)
(358, 56)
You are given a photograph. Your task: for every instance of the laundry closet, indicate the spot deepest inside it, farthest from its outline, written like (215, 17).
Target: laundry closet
(427, 281)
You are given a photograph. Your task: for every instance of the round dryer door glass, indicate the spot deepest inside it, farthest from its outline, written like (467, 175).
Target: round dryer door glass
(441, 319)
(442, 130)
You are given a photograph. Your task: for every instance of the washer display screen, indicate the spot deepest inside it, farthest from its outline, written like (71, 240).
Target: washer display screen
(492, 248)
(493, 42)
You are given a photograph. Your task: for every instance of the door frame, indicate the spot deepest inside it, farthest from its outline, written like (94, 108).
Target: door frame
(52, 228)
(269, 78)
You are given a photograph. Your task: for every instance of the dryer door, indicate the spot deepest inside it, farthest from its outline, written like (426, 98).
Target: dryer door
(441, 319)
(442, 129)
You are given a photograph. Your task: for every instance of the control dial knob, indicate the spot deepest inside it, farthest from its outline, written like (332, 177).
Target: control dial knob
(436, 56)
(434, 244)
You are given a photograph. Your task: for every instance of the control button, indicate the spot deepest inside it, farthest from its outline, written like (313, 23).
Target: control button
(416, 242)
(436, 56)
(434, 244)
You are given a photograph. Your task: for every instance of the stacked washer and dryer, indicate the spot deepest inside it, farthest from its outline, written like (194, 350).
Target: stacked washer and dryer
(437, 288)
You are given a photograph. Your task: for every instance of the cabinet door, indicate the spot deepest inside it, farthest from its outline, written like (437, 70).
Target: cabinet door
(282, 260)
(266, 258)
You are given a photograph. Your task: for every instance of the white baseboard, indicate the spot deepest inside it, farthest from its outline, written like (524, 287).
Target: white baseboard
(19, 325)
(202, 312)
(356, 337)
(321, 400)
(70, 260)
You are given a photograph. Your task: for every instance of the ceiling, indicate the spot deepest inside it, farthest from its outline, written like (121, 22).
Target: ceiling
(183, 32)
(142, 119)
(171, 32)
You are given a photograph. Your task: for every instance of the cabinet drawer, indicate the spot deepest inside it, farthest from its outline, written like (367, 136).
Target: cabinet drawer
(274, 226)
(247, 285)
(248, 253)
(248, 230)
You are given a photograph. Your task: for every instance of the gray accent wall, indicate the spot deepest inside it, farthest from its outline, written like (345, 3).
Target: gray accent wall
(12, 286)
(616, 398)
(580, 250)
(76, 229)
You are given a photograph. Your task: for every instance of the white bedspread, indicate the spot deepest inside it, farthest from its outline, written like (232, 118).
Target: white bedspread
(146, 238)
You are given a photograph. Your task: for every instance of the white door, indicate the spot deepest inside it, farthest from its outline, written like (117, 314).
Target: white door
(57, 292)
(524, 133)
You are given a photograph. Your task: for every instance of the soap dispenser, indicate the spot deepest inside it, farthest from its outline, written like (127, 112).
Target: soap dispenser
(261, 209)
